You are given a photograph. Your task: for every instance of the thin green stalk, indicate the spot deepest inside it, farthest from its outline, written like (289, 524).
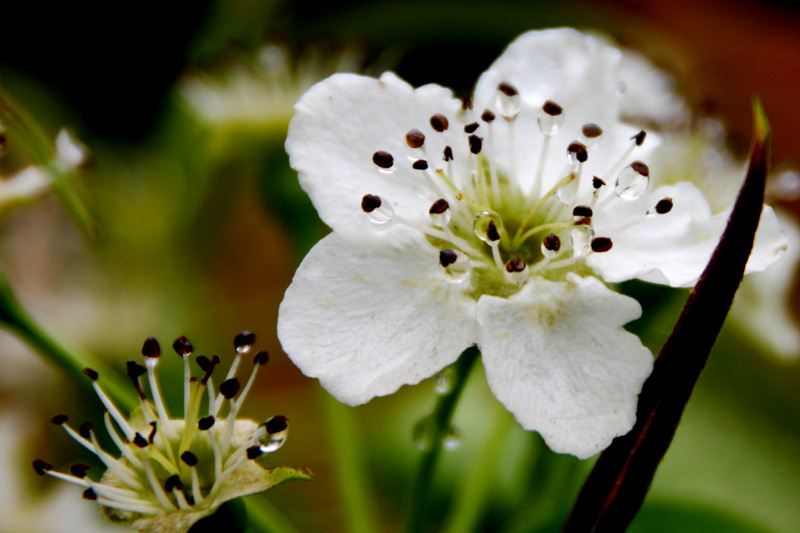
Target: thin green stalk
(439, 427)
(263, 516)
(470, 500)
(71, 360)
(353, 487)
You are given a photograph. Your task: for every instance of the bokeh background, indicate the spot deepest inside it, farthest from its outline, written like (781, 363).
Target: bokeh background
(197, 224)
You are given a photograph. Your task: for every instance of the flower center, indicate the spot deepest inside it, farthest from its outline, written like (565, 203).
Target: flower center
(488, 229)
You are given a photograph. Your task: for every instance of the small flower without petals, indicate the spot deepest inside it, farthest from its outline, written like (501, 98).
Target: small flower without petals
(497, 224)
(173, 472)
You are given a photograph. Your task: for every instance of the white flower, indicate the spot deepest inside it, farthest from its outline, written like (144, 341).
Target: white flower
(494, 225)
(173, 472)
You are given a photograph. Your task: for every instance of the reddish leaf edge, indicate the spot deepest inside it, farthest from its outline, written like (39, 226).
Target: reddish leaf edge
(617, 485)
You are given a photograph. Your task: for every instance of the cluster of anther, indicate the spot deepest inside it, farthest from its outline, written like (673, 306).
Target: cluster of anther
(169, 465)
(481, 221)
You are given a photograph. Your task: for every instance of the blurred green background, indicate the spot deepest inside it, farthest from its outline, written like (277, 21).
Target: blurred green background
(198, 224)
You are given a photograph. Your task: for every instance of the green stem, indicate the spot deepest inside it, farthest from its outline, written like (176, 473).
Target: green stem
(264, 517)
(440, 426)
(71, 360)
(471, 498)
(352, 484)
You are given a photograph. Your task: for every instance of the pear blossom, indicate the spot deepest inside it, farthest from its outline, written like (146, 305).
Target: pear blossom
(496, 221)
(174, 471)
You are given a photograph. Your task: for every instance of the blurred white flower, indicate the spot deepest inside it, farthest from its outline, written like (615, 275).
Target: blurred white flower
(495, 224)
(173, 472)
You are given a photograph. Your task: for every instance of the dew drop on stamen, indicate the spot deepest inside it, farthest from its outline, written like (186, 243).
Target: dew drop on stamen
(456, 265)
(488, 227)
(244, 341)
(632, 181)
(577, 153)
(277, 432)
(423, 432)
(551, 245)
(440, 213)
(377, 210)
(568, 192)
(384, 161)
(551, 118)
(516, 271)
(508, 101)
(443, 381)
(590, 136)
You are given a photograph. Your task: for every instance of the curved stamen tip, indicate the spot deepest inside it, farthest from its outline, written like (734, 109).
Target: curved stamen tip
(59, 419)
(601, 244)
(383, 159)
(639, 138)
(92, 373)
(439, 122)
(448, 153)
(135, 369)
(41, 466)
(182, 346)
(89, 494)
(370, 203)
(85, 430)
(276, 424)
(151, 348)
(415, 138)
(79, 470)
(173, 482)
(229, 388)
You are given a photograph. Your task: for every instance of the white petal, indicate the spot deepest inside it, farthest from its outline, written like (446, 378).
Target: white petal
(341, 122)
(367, 317)
(674, 248)
(557, 357)
(648, 95)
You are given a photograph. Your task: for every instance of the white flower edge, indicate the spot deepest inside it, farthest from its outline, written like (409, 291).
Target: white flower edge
(557, 357)
(370, 316)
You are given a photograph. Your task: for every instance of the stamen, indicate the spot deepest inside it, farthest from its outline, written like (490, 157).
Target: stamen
(632, 181)
(661, 207)
(134, 371)
(475, 144)
(440, 212)
(157, 489)
(470, 128)
(243, 342)
(229, 388)
(456, 265)
(582, 211)
(577, 152)
(439, 122)
(415, 138)
(637, 139)
(383, 160)
(551, 118)
(508, 101)
(420, 164)
(151, 352)
(487, 116)
(378, 211)
(516, 271)
(601, 244)
(184, 349)
(123, 448)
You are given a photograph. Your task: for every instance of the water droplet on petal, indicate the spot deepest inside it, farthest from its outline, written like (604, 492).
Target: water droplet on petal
(632, 181)
(443, 381)
(452, 439)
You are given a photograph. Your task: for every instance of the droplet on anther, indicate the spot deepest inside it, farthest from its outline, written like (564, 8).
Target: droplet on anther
(475, 144)
(488, 116)
(420, 164)
(456, 265)
(577, 152)
(182, 346)
(440, 212)
(383, 160)
(415, 138)
(639, 138)
(448, 153)
(508, 101)
(516, 271)
(470, 128)
(661, 207)
(439, 122)
(590, 135)
(85, 430)
(568, 192)
(601, 244)
(173, 482)
(452, 440)
(551, 118)
(277, 429)
(632, 181)
(551, 245)
(243, 341)
(488, 227)
(378, 211)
